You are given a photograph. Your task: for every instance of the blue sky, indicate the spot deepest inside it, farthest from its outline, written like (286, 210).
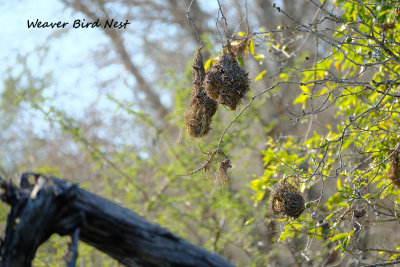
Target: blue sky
(69, 59)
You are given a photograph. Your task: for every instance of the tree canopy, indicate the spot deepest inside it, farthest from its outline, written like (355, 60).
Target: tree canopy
(265, 132)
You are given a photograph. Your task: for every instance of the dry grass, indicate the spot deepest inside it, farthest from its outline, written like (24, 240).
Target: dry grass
(201, 108)
(227, 82)
(287, 200)
(394, 169)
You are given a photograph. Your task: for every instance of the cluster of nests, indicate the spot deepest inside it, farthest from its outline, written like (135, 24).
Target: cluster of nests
(225, 83)
(287, 200)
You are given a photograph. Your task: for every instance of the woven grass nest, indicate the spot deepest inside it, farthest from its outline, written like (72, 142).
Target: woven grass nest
(394, 169)
(201, 107)
(287, 200)
(227, 82)
(222, 171)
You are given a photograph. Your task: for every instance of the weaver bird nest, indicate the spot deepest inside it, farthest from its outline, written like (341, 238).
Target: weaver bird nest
(222, 171)
(201, 107)
(287, 200)
(227, 82)
(394, 169)
(239, 47)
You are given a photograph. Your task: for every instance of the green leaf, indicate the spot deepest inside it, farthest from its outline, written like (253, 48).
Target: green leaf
(301, 99)
(329, 216)
(240, 60)
(284, 234)
(305, 89)
(284, 76)
(208, 64)
(339, 236)
(259, 76)
(259, 57)
(338, 246)
(251, 47)
(249, 221)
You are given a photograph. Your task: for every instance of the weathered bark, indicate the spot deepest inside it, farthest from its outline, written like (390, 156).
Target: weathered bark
(52, 205)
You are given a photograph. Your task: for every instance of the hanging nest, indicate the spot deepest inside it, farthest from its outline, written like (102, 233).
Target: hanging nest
(359, 209)
(222, 171)
(287, 200)
(227, 82)
(388, 26)
(394, 169)
(239, 47)
(201, 108)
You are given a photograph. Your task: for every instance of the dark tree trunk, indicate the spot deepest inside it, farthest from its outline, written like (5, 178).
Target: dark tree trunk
(52, 205)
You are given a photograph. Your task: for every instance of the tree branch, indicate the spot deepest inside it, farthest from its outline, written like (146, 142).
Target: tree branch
(52, 205)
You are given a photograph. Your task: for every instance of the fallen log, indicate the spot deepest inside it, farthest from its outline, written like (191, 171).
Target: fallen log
(51, 205)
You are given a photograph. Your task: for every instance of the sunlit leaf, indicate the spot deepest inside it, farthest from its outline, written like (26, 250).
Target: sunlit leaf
(249, 221)
(251, 47)
(209, 63)
(260, 76)
(301, 99)
(339, 236)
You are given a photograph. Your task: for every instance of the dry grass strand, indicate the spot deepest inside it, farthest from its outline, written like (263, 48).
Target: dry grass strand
(222, 171)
